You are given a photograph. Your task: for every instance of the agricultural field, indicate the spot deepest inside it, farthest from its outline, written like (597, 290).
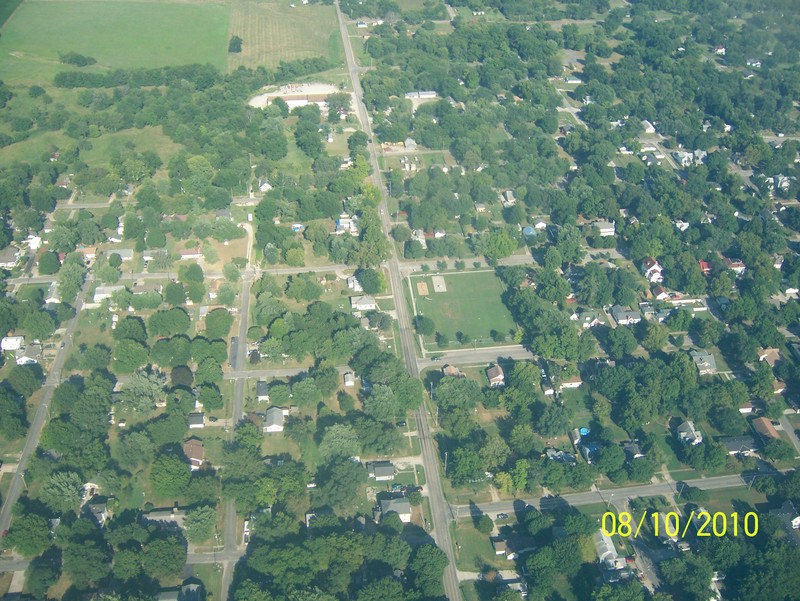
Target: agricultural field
(118, 34)
(460, 309)
(274, 31)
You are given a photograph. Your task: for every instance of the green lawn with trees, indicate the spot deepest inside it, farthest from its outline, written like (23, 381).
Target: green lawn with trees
(471, 306)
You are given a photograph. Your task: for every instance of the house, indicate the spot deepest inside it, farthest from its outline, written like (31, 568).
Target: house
(765, 429)
(126, 254)
(688, 434)
(605, 228)
(274, 419)
(99, 512)
(587, 319)
(12, 343)
(401, 506)
(480, 207)
(572, 382)
(607, 552)
(354, 284)
(452, 371)
(705, 267)
(147, 288)
(624, 317)
(346, 225)
(632, 450)
(789, 518)
(660, 293)
(89, 253)
(496, 376)
(747, 408)
(778, 387)
(165, 517)
(409, 144)
(561, 456)
(8, 257)
(649, 128)
(719, 50)
(770, 355)
(102, 293)
(652, 270)
(52, 296)
(739, 445)
(262, 391)
(190, 254)
(363, 303)
(196, 420)
(195, 452)
(499, 545)
(349, 380)
(28, 355)
(381, 471)
(169, 595)
(704, 361)
(735, 265)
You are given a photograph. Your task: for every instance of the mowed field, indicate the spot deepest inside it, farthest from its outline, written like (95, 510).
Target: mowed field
(470, 305)
(118, 33)
(272, 31)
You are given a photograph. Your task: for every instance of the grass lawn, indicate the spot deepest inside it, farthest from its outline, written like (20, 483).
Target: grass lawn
(273, 31)
(459, 309)
(120, 34)
(147, 138)
(735, 499)
(211, 576)
(474, 550)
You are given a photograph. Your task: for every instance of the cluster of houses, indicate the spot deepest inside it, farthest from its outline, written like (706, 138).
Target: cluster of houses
(24, 354)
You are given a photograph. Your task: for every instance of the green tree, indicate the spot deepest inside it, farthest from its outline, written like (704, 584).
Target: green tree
(427, 568)
(39, 577)
(199, 523)
(338, 483)
(49, 263)
(129, 355)
(86, 563)
(39, 325)
(164, 558)
(62, 491)
(29, 535)
(25, 379)
(218, 323)
(169, 476)
(484, 525)
(174, 294)
(340, 440)
(621, 342)
(143, 391)
(424, 325)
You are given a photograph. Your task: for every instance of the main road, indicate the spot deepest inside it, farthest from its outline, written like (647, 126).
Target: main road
(42, 412)
(595, 496)
(440, 510)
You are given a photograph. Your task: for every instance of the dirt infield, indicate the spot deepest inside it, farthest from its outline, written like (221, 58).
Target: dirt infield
(422, 288)
(439, 284)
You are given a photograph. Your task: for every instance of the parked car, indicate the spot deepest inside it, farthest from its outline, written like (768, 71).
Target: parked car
(401, 424)
(502, 516)
(213, 419)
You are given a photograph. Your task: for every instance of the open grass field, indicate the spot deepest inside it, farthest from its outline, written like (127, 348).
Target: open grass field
(471, 305)
(273, 31)
(119, 34)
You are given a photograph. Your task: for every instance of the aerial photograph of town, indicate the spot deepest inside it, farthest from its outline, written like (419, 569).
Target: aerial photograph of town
(400, 300)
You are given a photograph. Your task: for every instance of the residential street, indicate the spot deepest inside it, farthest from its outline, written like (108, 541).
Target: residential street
(439, 508)
(43, 412)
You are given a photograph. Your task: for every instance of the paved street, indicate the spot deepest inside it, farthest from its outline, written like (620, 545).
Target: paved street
(599, 496)
(439, 508)
(42, 413)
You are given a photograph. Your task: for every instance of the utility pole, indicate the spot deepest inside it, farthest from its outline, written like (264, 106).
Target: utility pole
(445, 463)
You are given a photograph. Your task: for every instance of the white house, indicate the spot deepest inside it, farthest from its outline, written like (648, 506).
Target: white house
(346, 225)
(354, 284)
(363, 303)
(28, 355)
(52, 295)
(262, 391)
(12, 343)
(274, 419)
(196, 420)
(401, 506)
(101, 293)
(605, 228)
(649, 128)
(126, 254)
(190, 254)
(381, 471)
(688, 434)
(573, 382)
(652, 270)
(8, 257)
(349, 380)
